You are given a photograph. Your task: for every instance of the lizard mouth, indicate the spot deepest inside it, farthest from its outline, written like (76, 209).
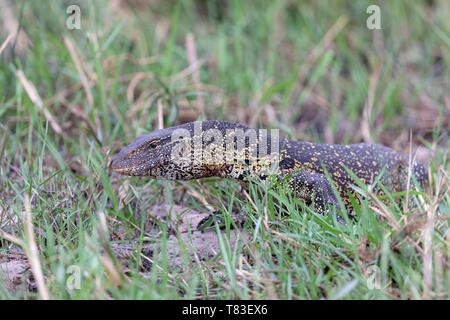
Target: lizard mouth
(123, 164)
(133, 167)
(121, 170)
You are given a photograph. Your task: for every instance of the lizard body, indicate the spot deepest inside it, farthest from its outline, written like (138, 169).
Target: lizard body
(217, 148)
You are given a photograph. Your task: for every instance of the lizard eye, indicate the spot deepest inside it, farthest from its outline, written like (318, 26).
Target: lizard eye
(152, 145)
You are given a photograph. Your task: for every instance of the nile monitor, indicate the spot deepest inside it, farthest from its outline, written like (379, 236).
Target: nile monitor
(217, 148)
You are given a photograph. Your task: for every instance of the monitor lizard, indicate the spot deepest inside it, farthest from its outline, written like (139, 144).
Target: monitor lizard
(213, 148)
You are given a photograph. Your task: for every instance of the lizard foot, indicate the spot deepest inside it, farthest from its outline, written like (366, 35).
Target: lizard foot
(217, 217)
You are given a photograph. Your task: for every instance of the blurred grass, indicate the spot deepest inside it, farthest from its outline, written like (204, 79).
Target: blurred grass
(267, 63)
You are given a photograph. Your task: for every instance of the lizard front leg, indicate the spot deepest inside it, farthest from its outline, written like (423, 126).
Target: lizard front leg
(316, 189)
(312, 187)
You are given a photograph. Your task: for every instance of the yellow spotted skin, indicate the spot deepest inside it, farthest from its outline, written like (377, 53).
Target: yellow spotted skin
(209, 154)
(365, 160)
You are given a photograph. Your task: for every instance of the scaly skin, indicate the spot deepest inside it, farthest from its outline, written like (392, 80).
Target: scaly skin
(157, 155)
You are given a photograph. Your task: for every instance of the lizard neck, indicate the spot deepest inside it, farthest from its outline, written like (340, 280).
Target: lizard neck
(242, 153)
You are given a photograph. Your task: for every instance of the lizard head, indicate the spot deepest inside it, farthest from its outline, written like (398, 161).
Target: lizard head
(157, 155)
(192, 150)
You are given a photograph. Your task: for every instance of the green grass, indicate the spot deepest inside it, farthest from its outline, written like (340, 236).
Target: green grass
(266, 63)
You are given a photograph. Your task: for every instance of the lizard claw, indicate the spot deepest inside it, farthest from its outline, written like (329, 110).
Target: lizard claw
(216, 216)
